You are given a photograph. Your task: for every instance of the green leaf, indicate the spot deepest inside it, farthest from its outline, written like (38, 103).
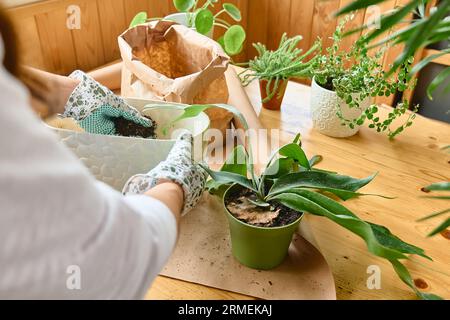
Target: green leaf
(236, 161)
(390, 20)
(334, 183)
(183, 5)
(440, 186)
(434, 215)
(204, 21)
(356, 5)
(405, 276)
(234, 39)
(229, 178)
(317, 204)
(139, 19)
(233, 11)
(424, 62)
(440, 228)
(193, 111)
(221, 41)
(315, 160)
(387, 239)
(259, 203)
(437, 81)
(280, 167)
(189, 112)
(295, 152)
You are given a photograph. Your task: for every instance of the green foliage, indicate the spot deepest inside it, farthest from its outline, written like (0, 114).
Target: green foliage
(202, 18)
(140, 18)
(292, 179)
(442, 186)
(184, 5)
(234, 39)
(298, 185)
(356, 76)
(288, 61)
(204, 21)
(422, 31)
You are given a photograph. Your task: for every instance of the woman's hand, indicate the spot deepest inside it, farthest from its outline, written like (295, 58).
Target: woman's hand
(178, 168)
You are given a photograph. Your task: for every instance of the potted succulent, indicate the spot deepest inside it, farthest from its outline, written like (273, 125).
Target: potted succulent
(201, 18)
(273, 69)
(344, 85)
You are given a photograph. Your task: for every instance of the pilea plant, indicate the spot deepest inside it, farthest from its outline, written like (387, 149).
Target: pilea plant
(291, 179)
(202, 19)
(357, 75)
(288, 61)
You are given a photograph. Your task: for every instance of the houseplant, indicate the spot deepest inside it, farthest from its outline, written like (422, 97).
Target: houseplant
(424, 29)
(200, 17)
(273, 69)
(346, 82)
(290, 181)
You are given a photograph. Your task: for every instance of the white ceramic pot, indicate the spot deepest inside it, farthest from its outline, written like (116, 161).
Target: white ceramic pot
(182, 18)
(114, 159)
(325, 105)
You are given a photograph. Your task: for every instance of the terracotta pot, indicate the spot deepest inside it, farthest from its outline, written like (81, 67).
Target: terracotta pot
(277, 99)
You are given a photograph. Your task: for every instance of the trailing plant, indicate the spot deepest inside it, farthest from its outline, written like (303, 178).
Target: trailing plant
(441, 186)
(202, 19)
(356, 76)
(291, 178)
(288, 61)
(424, 29)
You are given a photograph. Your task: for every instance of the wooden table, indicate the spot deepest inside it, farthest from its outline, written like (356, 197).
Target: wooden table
(415, 159)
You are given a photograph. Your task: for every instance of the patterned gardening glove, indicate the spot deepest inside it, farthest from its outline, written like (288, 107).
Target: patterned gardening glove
(98, 110)
(178, 168)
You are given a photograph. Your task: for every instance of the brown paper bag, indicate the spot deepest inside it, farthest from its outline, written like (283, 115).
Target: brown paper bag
(169, 62)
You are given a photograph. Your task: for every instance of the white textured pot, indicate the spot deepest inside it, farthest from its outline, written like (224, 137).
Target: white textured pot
(324, 108)
(114, 159)
(182, 18)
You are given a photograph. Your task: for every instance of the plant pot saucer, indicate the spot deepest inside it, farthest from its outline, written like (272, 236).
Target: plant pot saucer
(203, 255)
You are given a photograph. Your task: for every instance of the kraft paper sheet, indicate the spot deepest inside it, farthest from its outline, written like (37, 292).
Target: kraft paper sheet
(203, 255)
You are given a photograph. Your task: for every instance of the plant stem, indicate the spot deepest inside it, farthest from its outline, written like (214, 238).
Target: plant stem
(221, 25)
(219, 13)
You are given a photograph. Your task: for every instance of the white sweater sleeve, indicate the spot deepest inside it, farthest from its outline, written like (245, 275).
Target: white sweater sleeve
(64, 235)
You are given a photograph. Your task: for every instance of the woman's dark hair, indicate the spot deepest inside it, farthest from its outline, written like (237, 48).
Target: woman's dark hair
(11, 57)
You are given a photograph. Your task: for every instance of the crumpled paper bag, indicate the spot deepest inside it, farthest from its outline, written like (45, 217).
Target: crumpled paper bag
(169, 62)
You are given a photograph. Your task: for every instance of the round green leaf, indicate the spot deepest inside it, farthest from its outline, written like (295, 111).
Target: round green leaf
(234, 39)
(221, 41)
(138, 19)
(233, 11)
(204, 21)
(183, 5)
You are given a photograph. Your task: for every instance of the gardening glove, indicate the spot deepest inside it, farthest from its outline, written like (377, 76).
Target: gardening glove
(178, 168)
(95, 107)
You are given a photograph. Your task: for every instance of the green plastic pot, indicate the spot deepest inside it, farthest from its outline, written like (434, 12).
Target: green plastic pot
(258, 247)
